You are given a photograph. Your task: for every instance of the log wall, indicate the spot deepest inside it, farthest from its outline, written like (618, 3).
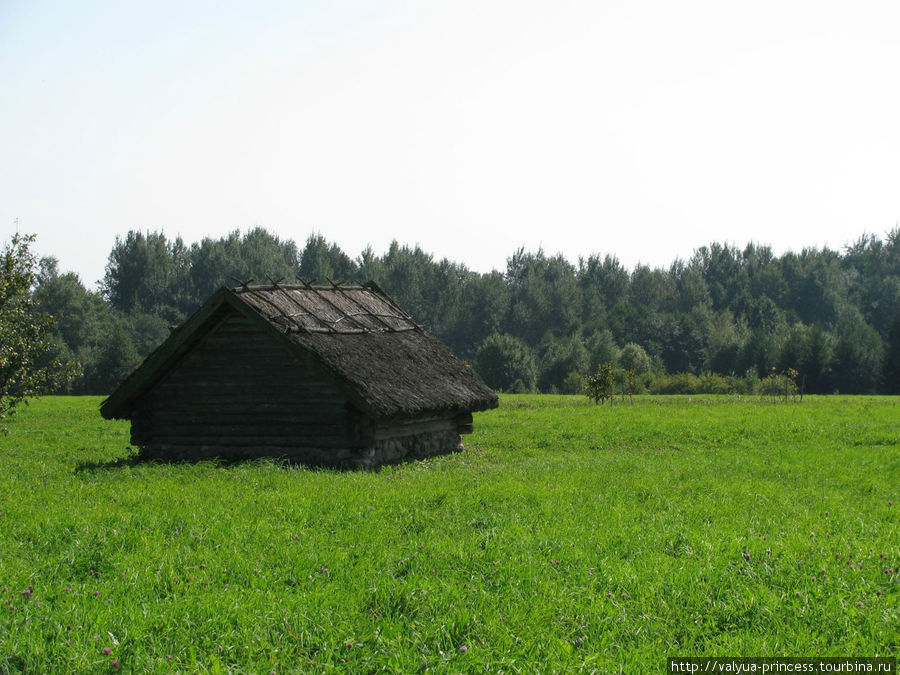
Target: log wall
(242, 393)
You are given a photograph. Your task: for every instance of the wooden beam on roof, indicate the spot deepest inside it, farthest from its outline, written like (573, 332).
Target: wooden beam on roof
(306, 310)
(340, 311)
(387, 326)
(377, 289)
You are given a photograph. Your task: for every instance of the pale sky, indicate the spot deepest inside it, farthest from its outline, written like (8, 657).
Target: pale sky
(644, 129)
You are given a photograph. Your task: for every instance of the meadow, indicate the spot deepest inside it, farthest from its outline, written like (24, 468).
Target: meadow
(568, 537)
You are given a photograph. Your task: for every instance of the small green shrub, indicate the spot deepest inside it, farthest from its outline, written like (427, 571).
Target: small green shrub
(518, 387)
(688, 383)
(599, 387)
(573, 383)
(780, 385)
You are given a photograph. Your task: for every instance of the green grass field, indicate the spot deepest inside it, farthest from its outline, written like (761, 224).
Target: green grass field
(568, 537)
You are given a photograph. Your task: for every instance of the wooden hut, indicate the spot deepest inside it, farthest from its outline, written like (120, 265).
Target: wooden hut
(326, 375)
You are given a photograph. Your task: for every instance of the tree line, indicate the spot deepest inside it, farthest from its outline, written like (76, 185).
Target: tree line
(540, 325)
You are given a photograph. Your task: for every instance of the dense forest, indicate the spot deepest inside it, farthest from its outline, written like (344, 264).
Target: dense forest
(834, 316)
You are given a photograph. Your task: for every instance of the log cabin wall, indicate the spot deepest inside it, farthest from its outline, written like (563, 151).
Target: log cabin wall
(242, 393)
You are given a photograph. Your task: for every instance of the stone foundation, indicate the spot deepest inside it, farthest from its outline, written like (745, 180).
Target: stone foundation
(412, 447)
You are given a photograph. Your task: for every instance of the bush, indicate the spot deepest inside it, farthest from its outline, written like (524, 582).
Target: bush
(573, 384)
(501, 360)
(559, 359)
(518, 387)
(634, 357)
(599, 387)
(688, 383)
(783, 384)
(712, 383)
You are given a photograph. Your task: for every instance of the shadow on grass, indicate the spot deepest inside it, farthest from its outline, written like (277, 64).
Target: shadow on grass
(224, 462)
(139, 458)
(130, 461)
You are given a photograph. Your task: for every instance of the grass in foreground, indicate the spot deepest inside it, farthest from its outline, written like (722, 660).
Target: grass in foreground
(568, 537)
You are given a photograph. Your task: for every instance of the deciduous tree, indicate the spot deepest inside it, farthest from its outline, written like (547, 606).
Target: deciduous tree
(24, 344)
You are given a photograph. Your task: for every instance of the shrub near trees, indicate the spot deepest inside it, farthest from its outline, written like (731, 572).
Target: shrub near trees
(506, 363)
(600, 386)
(543, 323)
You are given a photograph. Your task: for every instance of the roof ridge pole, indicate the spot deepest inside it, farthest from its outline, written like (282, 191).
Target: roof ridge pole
(339, 310)
(274, 283)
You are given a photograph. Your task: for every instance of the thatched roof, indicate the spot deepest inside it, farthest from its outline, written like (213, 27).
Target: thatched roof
(389, 364)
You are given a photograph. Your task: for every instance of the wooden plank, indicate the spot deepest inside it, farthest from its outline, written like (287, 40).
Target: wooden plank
(173, 348)
(238, 359)
(399, 430)
(250, 389)
(246, 441)
(311, 454)
(250, 430)
(258, 407)
(262, 382)
(223, 373)
(313, 417)
(174, 420)
(263, 385)
(195, 400)
(259, 348)
(310, 415)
